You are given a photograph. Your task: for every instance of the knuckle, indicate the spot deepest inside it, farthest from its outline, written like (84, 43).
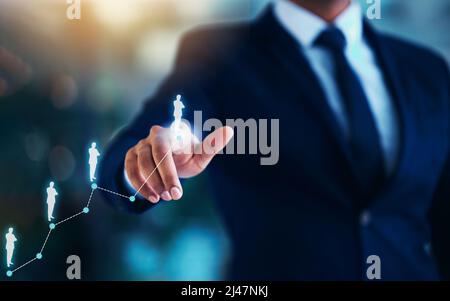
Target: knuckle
(161, 144)
(130, 153)
(141, 145)
(160, 140)
(154, 130)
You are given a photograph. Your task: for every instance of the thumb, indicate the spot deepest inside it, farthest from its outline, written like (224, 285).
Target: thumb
(212, 145)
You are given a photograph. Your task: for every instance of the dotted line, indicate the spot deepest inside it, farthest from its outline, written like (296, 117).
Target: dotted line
(69, 218)
(121, 195)
(52, 226)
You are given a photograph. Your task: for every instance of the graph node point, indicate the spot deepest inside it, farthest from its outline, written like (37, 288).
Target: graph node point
(9, 273)
(132, 198)
(39, 256)
(86, 210)
(52, 226)
(94, 186)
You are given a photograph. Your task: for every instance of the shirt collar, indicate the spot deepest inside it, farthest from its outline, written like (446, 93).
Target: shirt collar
(306, 26)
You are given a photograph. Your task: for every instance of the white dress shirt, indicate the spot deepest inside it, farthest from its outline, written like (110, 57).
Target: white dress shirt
(305, 27)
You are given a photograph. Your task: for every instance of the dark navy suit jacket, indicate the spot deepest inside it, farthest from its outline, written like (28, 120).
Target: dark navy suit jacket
(298, 220)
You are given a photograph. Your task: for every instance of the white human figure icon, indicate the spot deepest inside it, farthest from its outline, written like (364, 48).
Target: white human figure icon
(181, 135)
(10, 241)
(51, 200)
(178, 112)
(93, 160)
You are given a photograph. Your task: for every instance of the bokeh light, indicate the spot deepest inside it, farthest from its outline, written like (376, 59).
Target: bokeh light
(64, 91)
(36, 146)
(142, 257)
(195, 254)
(61, 163)
(118, 13)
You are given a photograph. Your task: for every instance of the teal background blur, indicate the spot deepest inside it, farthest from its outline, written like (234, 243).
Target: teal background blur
(89, 77)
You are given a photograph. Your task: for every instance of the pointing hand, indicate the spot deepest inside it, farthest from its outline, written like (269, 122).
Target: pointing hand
(154, 165)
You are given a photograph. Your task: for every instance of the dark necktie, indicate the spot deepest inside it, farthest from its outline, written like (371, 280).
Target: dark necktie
(366, 155)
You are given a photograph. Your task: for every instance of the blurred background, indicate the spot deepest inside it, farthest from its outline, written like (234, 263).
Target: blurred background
(77, 81)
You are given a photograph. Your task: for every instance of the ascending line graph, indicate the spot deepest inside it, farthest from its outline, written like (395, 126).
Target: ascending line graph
(93, 154)
(86, 209)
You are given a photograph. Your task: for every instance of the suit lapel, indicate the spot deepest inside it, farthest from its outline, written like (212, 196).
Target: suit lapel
(290, 57)
(391, 72)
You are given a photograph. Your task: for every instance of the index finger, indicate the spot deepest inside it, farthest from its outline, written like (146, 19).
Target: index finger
(162, 155)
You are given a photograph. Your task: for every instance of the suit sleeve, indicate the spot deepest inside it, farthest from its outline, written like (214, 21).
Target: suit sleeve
(196, 79)
(440, 210)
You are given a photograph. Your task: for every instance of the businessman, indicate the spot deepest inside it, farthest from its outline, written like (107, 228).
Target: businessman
(364, 145)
